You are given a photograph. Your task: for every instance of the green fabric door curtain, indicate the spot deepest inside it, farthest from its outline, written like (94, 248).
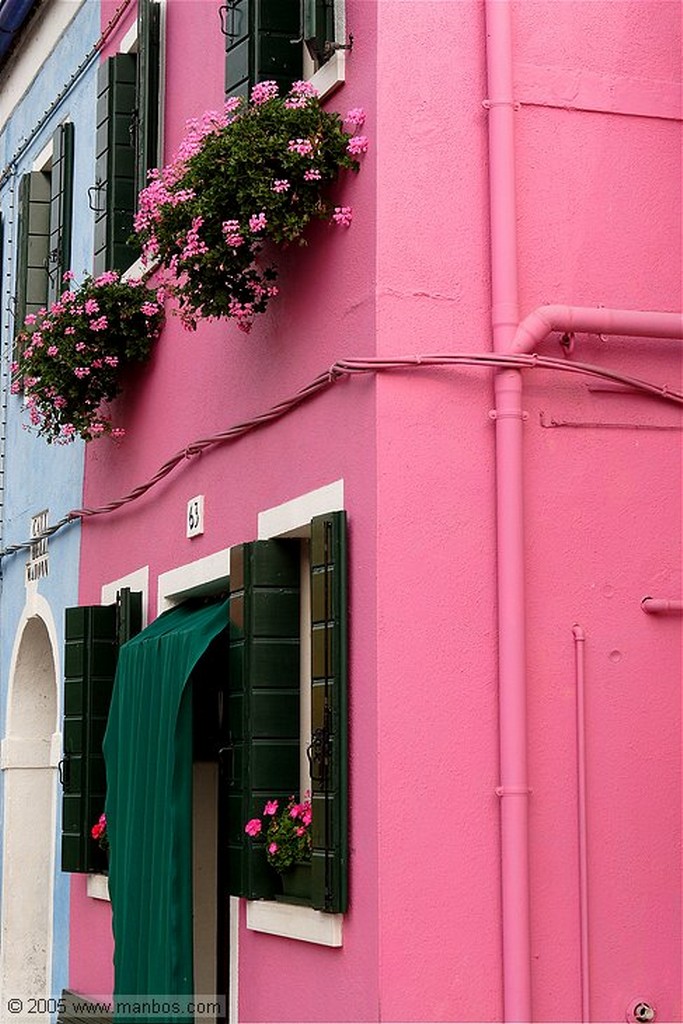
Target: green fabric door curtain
(148, 755)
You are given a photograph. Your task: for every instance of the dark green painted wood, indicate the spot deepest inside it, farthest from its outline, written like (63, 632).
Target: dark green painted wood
(76, 1009)
(329, 712)
(261, 759)
(318, 29)
(92, 638)
(33, 245)
(263, 43)
(147, 88)
(61, 208)
(115, 163)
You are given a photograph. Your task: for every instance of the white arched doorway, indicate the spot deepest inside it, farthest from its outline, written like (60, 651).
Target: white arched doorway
(30, 753)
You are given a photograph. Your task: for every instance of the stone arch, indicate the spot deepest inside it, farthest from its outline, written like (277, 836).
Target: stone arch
(30, 752)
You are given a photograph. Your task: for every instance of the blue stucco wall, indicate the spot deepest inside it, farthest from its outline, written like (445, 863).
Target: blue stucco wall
(38, 475)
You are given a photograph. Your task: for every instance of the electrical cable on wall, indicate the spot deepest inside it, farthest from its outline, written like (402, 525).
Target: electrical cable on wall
(340, 370)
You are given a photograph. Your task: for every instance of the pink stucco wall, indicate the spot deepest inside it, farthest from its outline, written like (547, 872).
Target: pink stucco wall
(598, 164)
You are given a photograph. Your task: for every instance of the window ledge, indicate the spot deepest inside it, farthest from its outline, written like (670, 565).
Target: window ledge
(97, 887)
(331, 75)
(293, 922)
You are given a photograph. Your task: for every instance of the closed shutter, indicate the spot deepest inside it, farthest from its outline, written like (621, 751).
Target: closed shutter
(115, 167)
(328, 752)
(263, 43)
(92, 637)
(61, 208)
(33, 245)
(147, 127)
(318, 29)
(261, 760)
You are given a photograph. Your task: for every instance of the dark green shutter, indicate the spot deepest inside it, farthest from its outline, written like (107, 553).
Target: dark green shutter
(147, 126)
(318, 29)
(92, 637)
(61, 208)
(263, 43)
(329, 889)
(115, 167)
(261, 760)
(33, 245)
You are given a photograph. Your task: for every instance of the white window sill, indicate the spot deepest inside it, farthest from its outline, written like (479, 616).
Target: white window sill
(331, 75)
(97, 887)
(294, 922)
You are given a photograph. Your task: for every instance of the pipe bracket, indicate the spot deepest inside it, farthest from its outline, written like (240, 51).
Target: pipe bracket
(508, 414)
(513, 791)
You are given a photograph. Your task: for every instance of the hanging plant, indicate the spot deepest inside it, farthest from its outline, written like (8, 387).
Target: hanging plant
(70, 357)
(252, 172)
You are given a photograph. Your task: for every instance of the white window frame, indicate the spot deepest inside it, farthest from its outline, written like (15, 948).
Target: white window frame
(210, 575)
(332, 73)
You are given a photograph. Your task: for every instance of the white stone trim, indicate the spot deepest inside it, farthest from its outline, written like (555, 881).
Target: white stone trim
(43, 162)
(291, 921)
(194, 579)
(97, 887)
(130, 41)
(292, 518)
(19, 752)
(136, 580)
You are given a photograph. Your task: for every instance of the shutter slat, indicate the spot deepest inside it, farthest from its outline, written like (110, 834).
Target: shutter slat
(33, 245)
(262, 759)
(115, 167)
(329, 887)
(261, 45)
(61, 207)
(92, 637)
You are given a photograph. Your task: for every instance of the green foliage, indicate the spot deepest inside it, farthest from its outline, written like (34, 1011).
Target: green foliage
(288, 832)
(246, 175)
(70, 357)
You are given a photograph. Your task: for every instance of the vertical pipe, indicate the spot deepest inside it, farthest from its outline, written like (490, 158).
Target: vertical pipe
(508, 415)
(580, 657)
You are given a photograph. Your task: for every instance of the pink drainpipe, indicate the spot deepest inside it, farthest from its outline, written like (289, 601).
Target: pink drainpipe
(511, 336)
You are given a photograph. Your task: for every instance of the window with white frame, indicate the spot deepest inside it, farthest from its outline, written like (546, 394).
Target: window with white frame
(129, 134)
(284, 41)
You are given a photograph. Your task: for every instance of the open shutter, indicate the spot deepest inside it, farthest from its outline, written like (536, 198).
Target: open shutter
(33, 245)
(261, 760)
(318, 29)
(328, 752)
(147, 126)
(263, 43)
(61, 208)
(115, 173)
(92, 638)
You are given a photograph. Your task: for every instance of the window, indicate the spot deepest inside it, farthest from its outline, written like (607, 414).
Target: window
(283, 41)
(44, 230)
(128, 136)
(92, 637)
(265, 698)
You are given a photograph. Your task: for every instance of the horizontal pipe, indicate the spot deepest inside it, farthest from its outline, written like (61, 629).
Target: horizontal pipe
(659, 606)
(535, 327)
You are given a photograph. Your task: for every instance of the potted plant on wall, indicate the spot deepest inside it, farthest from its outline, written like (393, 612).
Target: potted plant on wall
(249, 174)
(70, 358)
(288, 843)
